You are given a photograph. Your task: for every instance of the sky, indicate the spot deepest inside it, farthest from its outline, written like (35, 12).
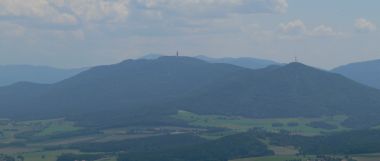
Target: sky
(77, 33)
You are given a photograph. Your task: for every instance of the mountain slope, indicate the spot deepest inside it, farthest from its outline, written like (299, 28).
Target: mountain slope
(367, 73)
(148, 91)
(252, 63)
(26, 73)
(290, 91)
(129, 89)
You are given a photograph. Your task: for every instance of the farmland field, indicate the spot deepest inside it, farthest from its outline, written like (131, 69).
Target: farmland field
(362, 157)
(241, 124)
(275, 158)
(18, 137)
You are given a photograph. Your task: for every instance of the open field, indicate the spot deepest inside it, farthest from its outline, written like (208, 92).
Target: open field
(34, 150)
(10, 129)
(360, 157)
(58, 126)
(18, 138)
(240, 124)
(275, 158)
(44, 156)
(367, 157)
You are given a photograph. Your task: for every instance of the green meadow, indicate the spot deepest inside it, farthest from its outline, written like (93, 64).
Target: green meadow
(241, 124)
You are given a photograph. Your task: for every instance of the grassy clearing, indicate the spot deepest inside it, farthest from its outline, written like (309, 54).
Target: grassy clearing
(283, 151)
(52, 126)
(9, 129)
(361, 157)
(367, 157)
(108, 159)
(58, 126)
(241, 124)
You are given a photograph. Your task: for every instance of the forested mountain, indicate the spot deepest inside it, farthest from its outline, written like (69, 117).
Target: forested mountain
(289, 91)
(39, 74)
(148, 91)
(367, 72)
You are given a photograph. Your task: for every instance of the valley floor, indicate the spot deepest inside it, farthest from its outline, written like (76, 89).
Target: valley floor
(46, 140)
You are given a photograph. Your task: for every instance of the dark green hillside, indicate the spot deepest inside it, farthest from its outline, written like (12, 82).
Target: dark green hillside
(138, 82)
(20, 95)
(129, 91)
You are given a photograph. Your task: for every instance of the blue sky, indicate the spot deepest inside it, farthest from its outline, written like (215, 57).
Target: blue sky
(75, 33)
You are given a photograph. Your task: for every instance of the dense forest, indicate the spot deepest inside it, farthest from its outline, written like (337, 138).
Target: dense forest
(185, 147)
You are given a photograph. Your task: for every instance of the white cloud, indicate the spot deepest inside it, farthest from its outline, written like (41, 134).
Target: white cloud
(72, 11)
(323, 30)
(364, 25)
(65, 19)
(212, 8)
(10, 29)
(77, 34)
(295, 27)
(125, 17)
(64, 11)
(98, 10)
(298, 29)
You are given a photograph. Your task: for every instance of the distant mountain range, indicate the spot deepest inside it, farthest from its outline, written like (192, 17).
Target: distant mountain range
(367, 73)
(247, 62)
(150, 91)
(10, 74)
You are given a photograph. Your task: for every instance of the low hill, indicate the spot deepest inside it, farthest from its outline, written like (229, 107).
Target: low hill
(149, 91)
(39, 74)
(367, 73)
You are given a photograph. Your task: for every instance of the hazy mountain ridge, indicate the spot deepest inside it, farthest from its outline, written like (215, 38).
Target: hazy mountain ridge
(367, 72)
(247, 62)
(39, 74)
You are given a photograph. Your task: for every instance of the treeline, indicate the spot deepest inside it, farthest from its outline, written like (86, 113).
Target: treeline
(4, 157)
(182, 147)
(31, 136)
(149, 144)
(74, 157)
(355, 142)
(224, 149)
(187, 147)
(340, 143)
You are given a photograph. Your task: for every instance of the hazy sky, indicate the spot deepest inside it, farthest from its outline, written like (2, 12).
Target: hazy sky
(73, 33)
